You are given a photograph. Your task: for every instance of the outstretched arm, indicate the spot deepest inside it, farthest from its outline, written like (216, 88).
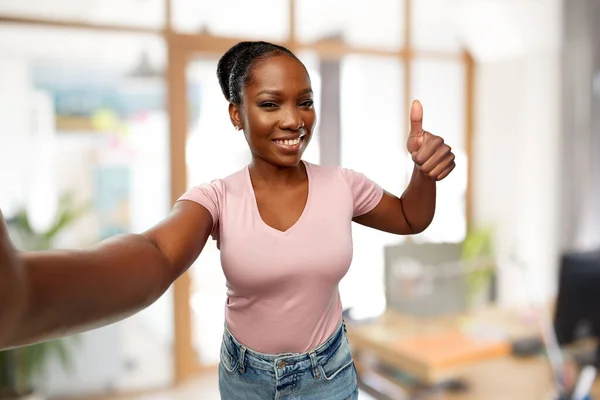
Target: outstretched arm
(413, 212)
(68, 291)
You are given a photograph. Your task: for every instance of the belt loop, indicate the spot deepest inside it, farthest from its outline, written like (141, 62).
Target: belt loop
(315, 365)
(242, 362)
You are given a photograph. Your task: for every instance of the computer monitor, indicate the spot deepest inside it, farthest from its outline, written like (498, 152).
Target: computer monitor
(577, 313)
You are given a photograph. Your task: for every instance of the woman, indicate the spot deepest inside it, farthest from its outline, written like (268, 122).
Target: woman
(283, 227)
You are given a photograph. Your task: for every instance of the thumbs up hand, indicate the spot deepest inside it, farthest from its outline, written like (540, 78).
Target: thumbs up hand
(430, 154)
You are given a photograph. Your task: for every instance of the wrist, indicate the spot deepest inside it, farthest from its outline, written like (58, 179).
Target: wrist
(417, 173)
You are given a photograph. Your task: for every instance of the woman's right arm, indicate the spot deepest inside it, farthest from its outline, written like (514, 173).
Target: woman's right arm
(69, 291)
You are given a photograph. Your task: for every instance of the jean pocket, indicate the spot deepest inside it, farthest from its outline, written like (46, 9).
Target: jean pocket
(341, 361)
(228, 360)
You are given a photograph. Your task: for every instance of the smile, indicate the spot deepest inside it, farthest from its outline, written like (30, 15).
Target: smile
(289, 145)
(291, 142)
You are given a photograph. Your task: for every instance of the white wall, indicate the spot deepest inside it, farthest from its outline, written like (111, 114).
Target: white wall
(516, 179)
(516, 155)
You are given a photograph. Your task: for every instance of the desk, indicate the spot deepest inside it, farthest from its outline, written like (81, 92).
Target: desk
(487, 366)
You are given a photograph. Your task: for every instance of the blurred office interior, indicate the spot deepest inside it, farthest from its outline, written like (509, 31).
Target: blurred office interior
(110, 110)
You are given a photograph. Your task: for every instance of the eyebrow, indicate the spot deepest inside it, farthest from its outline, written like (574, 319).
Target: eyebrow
(278, 92)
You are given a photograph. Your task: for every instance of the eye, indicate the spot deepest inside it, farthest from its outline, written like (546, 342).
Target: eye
(307, 104)
(267, 104)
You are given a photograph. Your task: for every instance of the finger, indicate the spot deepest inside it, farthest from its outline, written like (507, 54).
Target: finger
(442, 165)
(446, 172)
(430, 145)
(439, 157)
(416, 118)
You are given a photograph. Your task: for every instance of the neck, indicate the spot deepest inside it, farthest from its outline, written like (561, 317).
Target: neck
(262, 171)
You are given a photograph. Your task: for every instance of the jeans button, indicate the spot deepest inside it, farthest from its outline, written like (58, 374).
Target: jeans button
(281, 364)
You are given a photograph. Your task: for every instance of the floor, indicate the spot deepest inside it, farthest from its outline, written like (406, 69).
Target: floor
(204, 387)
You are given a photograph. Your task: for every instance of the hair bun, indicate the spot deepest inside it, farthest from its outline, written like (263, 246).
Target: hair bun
(226, 64)
(233, 69)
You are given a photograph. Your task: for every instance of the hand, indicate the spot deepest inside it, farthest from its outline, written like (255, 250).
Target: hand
(12, 285)
(430, 154)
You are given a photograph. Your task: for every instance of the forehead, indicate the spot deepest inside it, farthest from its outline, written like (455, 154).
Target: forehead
(281, 72)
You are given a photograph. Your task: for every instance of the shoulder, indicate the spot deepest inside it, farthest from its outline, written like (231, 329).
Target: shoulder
(215, 190)
(364, 193)
(234, 180)
(348, 176)
(221, 185)
(324, 172)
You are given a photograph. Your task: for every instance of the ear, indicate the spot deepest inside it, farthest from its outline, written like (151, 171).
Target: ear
(235, 116)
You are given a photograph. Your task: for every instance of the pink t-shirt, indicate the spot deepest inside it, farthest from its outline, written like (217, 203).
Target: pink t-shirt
(282, 292)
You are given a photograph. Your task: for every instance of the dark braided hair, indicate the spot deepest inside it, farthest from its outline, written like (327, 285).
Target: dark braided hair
(235, 66)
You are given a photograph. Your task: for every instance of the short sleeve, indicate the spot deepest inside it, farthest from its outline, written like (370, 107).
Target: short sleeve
(366, 194)
(209, 196)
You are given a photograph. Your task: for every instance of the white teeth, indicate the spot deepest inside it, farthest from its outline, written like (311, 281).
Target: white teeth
(289, 142)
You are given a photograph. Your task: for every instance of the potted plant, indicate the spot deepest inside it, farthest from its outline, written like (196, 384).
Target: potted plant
(477, 253)
(21, 368)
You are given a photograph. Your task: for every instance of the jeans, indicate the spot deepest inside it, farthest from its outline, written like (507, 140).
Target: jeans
(327, 372)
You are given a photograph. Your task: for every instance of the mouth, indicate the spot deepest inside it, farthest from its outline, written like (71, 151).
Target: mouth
(289, 145)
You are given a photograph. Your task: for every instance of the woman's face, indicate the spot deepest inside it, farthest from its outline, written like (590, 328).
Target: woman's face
(277, 112)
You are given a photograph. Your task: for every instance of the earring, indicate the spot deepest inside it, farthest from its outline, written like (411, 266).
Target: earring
(237, 128)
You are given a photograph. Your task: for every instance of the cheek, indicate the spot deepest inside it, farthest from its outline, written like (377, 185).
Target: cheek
(257, 134)
(260, 123)
(310, 119)
(256, 128)
(265, 121)
(254, 140)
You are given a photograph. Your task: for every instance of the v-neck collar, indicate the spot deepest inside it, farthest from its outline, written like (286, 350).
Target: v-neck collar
(302, 215)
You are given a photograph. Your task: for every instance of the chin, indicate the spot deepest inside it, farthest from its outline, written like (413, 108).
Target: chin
(286, 161)
(285, 156)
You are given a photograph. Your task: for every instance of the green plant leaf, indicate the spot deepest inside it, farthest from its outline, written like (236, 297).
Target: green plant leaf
(28, 362)
(478, 246)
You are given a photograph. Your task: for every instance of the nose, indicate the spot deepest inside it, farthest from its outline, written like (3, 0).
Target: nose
(291, 119)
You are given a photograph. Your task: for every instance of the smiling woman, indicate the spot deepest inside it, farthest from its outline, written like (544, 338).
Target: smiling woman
(283, 227)
(283, 299)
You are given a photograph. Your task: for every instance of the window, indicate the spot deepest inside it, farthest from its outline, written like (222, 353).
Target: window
(374, 120)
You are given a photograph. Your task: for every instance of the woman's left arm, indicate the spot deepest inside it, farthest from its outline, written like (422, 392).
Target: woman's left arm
(414, 210)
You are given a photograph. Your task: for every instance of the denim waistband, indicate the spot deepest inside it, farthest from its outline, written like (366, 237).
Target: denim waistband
(284, 364)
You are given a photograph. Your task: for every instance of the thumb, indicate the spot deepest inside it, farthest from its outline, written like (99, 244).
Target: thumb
(416, 118)
(415, 138)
